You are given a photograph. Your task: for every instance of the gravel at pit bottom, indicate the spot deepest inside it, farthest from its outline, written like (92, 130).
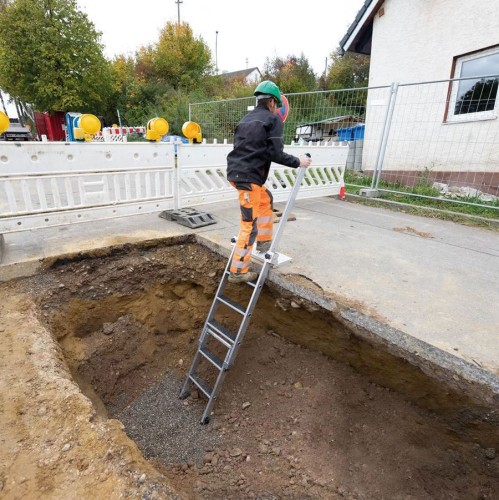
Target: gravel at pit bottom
(166, 428)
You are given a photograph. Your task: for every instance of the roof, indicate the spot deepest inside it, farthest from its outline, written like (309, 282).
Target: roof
(359, 35)
(242, 73)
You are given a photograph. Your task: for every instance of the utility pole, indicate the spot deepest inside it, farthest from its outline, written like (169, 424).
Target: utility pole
(246, 63)
(216, 52)
(178, 2)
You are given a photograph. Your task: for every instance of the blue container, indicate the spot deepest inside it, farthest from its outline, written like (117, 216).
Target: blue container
(358, 131)
(353, 133)
(345, 134)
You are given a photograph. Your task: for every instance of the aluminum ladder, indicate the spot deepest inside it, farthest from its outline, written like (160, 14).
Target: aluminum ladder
(214, 331)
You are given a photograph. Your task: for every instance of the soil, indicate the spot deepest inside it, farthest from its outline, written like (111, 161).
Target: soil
(95, 351)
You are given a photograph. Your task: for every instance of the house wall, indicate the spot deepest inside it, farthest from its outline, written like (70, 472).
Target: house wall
(416, 41)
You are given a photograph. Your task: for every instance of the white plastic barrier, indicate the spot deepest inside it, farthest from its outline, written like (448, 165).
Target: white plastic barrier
(202, 173)
(48, 184)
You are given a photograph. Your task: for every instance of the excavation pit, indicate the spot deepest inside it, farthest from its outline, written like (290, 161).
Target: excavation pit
(311, 408)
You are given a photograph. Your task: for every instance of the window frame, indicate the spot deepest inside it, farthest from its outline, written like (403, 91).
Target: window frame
(451, 117)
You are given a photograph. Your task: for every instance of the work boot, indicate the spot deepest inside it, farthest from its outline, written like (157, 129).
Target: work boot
(243, 277)
(263, 246)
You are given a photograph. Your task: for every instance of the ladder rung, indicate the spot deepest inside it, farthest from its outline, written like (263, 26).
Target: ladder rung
(231, 304)
(202, 385)
(212, 358)
(219, 338)
(228, 336)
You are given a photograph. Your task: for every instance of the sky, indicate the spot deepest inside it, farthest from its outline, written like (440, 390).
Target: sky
(248, 31)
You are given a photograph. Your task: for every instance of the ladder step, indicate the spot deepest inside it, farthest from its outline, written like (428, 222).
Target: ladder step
(219, 338)
(202, 385)
(225, 334)
(212, 358)
(231, 304)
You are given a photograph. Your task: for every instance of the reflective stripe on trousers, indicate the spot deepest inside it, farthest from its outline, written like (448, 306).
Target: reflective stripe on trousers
(256, 224)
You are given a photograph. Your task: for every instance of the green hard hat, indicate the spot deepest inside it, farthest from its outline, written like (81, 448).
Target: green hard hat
(268, 88)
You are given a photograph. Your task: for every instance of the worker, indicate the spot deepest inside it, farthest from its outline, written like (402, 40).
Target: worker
(257, 142)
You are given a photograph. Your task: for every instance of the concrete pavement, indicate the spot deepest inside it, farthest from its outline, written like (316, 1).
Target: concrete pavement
(416, 281)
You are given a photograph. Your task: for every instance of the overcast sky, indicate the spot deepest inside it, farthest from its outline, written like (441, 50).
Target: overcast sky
(248, 31)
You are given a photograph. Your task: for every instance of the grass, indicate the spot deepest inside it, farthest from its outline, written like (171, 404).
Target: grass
(424, 200)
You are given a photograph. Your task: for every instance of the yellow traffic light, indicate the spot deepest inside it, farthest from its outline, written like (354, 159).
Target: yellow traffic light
(156, 129)
(192, 131)
(85, 127)
(4, 122)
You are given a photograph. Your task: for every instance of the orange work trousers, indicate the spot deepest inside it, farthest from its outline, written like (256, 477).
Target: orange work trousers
(256, 223)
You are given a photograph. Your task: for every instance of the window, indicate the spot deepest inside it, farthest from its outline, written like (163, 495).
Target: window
(474, 95)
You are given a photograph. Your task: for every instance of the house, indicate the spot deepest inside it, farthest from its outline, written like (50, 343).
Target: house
(444, 54)
(247, 76)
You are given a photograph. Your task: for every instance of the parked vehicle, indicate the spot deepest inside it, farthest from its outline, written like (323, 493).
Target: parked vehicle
(16, 132)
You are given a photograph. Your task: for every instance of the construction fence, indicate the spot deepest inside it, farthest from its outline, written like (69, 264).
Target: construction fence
(435, 139)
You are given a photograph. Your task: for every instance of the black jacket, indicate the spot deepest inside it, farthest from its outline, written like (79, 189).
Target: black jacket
(257, 143)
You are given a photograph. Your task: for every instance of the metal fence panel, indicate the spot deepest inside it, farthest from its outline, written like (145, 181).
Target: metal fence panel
(323, 112)
(430, 146)
(436, 140)
(353, 116)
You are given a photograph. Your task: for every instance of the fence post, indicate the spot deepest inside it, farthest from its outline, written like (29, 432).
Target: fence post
(384, 141)
(176, 176)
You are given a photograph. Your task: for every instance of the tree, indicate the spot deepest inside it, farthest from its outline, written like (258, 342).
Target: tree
(162, 77)
(347, 71)
(350, 72)
(51, 56)
(292, 74)
(181, 59)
